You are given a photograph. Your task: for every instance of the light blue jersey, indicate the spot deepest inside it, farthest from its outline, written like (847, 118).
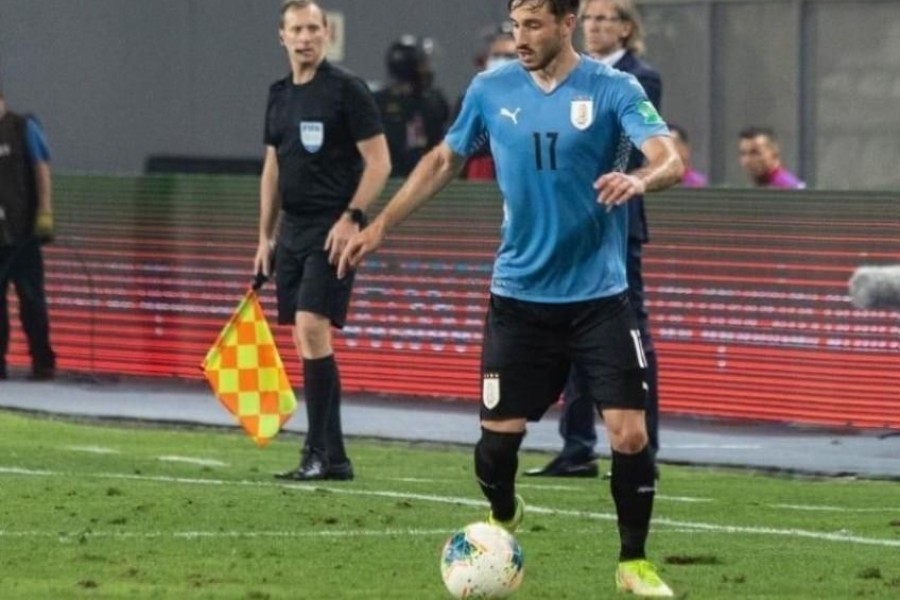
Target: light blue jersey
(558, 243)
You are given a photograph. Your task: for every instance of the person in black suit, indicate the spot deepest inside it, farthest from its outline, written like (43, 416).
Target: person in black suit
(613, 35)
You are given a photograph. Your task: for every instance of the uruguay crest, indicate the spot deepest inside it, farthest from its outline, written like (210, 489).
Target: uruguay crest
(490, 390)
(312, 135)
(582, 114)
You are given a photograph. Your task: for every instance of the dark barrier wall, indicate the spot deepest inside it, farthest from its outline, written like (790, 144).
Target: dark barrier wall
(748, 293)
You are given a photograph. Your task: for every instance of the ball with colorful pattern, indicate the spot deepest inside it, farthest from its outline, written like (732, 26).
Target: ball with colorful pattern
(482, 561)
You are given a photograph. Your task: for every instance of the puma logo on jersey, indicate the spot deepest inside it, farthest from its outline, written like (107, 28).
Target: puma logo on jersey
(513, 116)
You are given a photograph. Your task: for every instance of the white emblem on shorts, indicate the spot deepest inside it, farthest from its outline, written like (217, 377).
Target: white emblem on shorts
(490, 390)
(312, 134)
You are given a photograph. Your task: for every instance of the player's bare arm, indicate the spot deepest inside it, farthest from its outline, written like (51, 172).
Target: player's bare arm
(269, 206)
(436, 169)
(664, 169)
(377, 160)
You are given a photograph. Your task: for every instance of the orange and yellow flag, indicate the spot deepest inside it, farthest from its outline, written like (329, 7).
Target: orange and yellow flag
(247, 375)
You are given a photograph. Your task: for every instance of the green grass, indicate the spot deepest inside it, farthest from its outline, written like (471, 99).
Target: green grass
(125, 524)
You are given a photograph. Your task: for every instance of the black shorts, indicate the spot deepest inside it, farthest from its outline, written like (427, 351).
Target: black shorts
(530, 348)
(305, 281)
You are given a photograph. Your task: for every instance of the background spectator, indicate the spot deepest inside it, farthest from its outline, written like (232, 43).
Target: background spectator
(415, 113)
(760, 156)
(692, 178)
(26, 220)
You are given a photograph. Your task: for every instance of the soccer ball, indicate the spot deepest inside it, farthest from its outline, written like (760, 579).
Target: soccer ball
(482, 561)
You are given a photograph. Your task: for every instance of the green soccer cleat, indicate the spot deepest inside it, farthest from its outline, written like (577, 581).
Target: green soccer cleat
(511, 524)
(639, 577)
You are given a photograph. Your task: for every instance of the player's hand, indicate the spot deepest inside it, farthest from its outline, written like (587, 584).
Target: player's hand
(262, 262)
(618, 188)
(363, 243)
(43, 226)
(338, 237)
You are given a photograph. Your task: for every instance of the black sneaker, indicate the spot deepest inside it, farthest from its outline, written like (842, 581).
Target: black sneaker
(314, 467)
(566, 467)
(3, 374)
(340, 471)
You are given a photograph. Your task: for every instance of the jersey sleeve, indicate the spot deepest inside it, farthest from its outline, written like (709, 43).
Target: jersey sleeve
(639, 118)
(364, 118)
(36, 142)
(468, 133)
(270, 136)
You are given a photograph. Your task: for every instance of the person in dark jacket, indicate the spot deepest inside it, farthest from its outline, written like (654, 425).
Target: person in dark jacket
(26, 221)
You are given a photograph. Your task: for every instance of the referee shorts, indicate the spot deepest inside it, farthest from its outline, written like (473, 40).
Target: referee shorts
(530, 348)
(306, 282)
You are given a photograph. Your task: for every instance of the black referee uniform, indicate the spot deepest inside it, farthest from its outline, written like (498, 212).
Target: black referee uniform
(314, 128)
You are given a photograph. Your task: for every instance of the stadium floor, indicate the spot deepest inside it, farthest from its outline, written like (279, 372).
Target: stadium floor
(870, 454)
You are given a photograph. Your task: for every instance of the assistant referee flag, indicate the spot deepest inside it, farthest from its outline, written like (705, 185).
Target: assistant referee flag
(245, 371)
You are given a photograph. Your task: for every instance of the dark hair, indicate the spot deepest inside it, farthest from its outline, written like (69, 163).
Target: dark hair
(748, 133)
(287, 5)
(558, 8)
(407, 61)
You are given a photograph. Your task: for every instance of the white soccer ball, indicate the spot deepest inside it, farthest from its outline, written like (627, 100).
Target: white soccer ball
(482, 561)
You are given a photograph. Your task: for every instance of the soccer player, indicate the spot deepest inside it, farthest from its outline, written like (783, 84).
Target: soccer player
(326, 161)
(560, 126)
(614, 35)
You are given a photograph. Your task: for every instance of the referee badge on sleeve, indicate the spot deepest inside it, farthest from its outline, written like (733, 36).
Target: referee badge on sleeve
(490, 390)
(312, 134)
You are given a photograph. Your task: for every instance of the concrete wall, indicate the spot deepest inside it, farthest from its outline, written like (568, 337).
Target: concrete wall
(117, 80)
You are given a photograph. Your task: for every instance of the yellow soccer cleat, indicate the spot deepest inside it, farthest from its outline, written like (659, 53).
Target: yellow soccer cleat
(639, 577)
(511, 524)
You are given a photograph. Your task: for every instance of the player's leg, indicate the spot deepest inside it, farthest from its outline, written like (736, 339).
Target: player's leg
(637, 297)
(28, 277)
(523, 372)
(322, 303)
(609, 353)
(312, 337)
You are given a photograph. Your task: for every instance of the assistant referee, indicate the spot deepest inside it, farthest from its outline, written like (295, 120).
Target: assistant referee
(326, 160)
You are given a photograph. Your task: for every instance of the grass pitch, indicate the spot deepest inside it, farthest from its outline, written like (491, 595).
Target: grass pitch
(118, 511)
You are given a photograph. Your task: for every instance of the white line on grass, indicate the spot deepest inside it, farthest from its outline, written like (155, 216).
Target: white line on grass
(688, 499)
(92, 449)
(203, 462)
(196, 535)
(551, 487)
(340, 489)
(843, 509)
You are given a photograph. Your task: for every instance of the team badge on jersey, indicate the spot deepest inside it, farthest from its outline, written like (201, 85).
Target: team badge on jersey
(312, 135)
(582, 114)
(651, 117)
(490, 390)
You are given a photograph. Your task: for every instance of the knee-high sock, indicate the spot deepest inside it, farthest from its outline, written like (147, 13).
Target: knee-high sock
(633, 487)
(334, 434)
(496, 462)
(320, 377)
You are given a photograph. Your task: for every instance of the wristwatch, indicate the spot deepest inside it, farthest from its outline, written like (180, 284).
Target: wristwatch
(357, 216)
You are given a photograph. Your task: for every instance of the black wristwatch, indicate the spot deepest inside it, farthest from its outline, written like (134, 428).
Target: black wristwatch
(357, 216)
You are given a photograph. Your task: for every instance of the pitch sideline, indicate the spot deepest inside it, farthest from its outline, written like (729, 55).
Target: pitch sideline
(340, 489)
